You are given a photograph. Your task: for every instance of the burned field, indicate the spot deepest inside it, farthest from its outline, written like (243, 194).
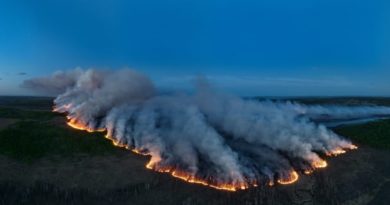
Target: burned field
(42, 160)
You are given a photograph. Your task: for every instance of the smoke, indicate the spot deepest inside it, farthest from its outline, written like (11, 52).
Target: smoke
(206, 137)
(54, 84)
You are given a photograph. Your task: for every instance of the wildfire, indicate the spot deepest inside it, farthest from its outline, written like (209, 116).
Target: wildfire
(74, 124)
(339, 151)
(320, 164)
(191, 178)
(308, 171)
(336, 152)
(79, 126)
(293, 177)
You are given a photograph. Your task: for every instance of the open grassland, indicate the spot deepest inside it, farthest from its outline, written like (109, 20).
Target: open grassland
(29, 140)
(374, 134)
(381, 101)
(23, 114)
(37, 134)
(348, 101)
(32, 134)
(31, 103)
(42, 161)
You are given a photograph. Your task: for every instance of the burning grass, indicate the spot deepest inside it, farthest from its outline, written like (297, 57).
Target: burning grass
(329, 190)
(288, 178)
(31, 139)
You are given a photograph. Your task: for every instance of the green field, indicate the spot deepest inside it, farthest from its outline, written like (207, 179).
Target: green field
(29, 140)
(348, 101)
(374, 134)
(36, 135)
(43, 161)
(24, 114)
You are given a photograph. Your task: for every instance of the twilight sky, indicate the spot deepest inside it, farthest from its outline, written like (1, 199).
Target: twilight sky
(258, 47)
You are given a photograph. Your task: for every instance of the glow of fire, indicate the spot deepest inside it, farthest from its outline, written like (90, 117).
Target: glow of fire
(292, 177)
(339, 151)
(320, 164)
(79, 126)
(336, 152)
(308, 171)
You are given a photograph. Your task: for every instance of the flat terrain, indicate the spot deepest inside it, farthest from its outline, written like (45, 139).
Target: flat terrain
(381, 101)
(42, 161)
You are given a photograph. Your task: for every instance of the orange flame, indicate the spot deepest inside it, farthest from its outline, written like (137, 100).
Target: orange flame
(339, 151)
(188, 177)
(308, 171)
(80, 126)
(319, 164)
(335, 152)
(192, 179)
(293, 177)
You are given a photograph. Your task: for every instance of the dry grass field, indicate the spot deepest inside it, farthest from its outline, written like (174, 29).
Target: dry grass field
(42, 161)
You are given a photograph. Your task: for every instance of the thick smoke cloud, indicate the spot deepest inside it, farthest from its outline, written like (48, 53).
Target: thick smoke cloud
(206, 137)
(55, 84)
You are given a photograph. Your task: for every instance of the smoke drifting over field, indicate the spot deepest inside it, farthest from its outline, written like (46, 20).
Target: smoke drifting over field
(206, 137)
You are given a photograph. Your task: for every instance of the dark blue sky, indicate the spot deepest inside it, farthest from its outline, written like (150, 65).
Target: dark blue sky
(273, 47)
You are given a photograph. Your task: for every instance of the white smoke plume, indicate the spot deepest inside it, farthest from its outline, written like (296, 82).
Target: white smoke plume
(207, 137)
(55, 84)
